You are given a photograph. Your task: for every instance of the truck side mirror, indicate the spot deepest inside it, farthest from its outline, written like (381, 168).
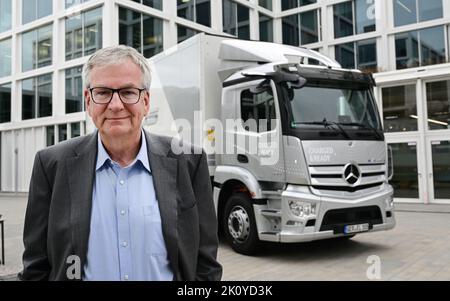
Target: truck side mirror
(300, 83)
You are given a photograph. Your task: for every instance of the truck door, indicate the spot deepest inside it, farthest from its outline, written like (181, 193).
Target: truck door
(257, 132)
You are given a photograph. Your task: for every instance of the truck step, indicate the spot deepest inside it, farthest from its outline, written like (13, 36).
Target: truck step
(271, 192)
(271, 212)
(270, 233)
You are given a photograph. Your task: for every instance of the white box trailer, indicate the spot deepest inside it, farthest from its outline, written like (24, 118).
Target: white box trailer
(295, 144)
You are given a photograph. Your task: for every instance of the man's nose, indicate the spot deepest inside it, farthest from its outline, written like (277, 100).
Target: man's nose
(115, 103)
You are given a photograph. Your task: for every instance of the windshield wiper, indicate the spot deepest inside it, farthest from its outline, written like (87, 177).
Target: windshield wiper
(365, 126)
(326, 124)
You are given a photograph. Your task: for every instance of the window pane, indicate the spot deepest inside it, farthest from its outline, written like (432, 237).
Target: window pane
(343, 19)
(367, 55)
(153, 36)
(74, 90)
(229, 17)
(441, 169)
(291, 30)
(74, 37)
(28, 99)
(45, 95)
(62, 132)
(404, 181)
(345, 55)
(5, 15)
(5, 57)
(400, 108)
(365, 16)
(44, 48)
(430, 10)
(75, 129)
(50, 131)
(29, 14)
(153, 3)
(266, 4)
(257, 111)
(407, 50)
(44, 8)
(92, 31)
(203, 12)
(405, 12)
(5, 103)
(243, 18)
(29, 50)
(130, 28)
(432, 43)
(438, 104)
(185, 33)
(265, 28)
(309, 27)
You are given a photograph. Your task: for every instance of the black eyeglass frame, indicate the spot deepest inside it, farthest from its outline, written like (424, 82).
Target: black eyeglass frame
(118, 93)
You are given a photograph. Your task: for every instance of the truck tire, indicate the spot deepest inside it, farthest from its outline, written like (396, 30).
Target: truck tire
(239, 225)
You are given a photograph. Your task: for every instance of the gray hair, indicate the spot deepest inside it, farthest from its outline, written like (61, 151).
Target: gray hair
(115, 55)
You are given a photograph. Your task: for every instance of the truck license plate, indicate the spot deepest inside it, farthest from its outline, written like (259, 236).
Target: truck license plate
(356, 228)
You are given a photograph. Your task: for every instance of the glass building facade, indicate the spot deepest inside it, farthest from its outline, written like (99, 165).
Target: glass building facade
(405, 44)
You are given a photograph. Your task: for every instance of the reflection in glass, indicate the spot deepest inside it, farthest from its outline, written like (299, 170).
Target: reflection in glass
(345, 55)
(5, 103)
(74, 90)
(5, 57)
(432, 46)
(152, 3)
(291, 33)
(5, 15)
(407, 50)
(430, 10)
(438, 104)
(37, 48)
(365, 16)
(399, 108)
(343, 19)
(70, 3)
(140, 31)
(37, 97)
(236, 19)
(83, 34)
(265, 28)
(405, 181)
(309, 27)
(441, 169)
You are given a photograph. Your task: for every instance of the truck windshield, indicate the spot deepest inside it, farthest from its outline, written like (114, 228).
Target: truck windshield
(347, 107)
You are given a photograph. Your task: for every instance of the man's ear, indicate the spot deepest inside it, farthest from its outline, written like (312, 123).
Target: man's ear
(147, 102)
(88, 101)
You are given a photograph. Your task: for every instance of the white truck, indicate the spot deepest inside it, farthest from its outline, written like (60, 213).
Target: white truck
(295, 145)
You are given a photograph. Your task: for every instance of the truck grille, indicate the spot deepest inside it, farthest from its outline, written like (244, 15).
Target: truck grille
(332, 177)
(338, 218)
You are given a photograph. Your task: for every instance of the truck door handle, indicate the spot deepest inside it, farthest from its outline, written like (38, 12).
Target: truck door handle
(242, 158)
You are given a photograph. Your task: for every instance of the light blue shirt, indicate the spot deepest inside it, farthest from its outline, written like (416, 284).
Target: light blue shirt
(126, 240)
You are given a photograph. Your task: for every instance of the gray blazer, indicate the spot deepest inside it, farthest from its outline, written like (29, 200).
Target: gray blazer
(57, 221)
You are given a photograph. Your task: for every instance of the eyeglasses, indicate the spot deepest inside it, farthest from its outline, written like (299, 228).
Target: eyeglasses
(128, 96)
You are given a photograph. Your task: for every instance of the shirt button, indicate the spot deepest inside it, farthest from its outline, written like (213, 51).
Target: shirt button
(123, 212)
(122, 182)
(124, 244)
(126, 277)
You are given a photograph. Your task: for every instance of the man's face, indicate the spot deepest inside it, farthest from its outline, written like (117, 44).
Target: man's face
(117, 119)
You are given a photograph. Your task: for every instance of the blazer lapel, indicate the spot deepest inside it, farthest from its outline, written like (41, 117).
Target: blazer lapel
(81, 175)
(164, 172)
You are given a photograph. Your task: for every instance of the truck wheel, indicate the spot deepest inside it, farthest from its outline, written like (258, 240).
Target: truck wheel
(239, 224)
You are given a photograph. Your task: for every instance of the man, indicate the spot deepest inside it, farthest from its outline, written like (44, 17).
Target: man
(118, 203)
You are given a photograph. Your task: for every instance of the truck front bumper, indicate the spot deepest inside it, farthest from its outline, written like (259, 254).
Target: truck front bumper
(329, 217)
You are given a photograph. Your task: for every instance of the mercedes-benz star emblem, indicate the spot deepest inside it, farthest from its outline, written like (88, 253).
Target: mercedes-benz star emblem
(351, 174)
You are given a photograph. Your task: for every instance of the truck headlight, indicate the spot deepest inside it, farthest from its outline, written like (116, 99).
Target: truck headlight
(390, 203)
(301, 209)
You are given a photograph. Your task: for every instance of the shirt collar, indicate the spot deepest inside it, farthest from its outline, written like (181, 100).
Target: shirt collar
(142, 156)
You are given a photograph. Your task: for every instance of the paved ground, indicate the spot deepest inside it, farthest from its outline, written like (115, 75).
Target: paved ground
(417, 249)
